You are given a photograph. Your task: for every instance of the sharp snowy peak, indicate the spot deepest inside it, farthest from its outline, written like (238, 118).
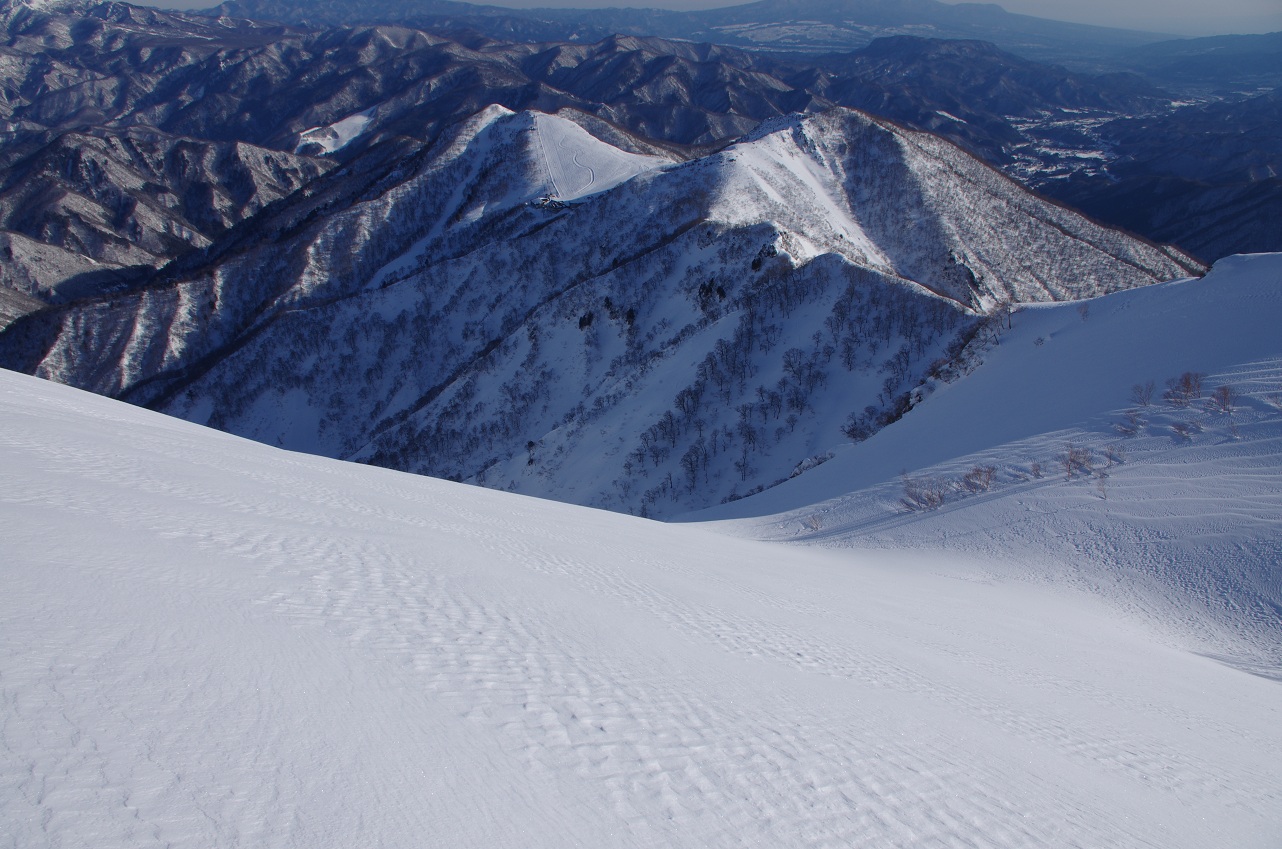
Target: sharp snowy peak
(917, 207)
(692, 334)
(516, 159)
(579, 165)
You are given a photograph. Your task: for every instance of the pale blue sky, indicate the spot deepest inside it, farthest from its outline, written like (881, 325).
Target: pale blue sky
(1185, 17)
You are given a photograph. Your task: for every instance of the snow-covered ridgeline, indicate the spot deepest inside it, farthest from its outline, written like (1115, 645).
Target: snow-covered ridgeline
(690, 335)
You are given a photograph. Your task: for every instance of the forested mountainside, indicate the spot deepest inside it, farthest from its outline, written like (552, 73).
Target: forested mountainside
(514, 311)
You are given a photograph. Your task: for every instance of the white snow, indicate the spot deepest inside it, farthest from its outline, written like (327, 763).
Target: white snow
(793, 176)
(38, 5)
(338, 135)
(1183, 527)
(210, 642)
(579, 165)
(556, 159)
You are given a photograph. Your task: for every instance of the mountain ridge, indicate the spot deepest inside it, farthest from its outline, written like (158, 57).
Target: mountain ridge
(95, 88)
(542, 314)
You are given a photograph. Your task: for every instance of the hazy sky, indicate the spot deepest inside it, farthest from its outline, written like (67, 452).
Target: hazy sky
(1190, 17)
(1185, 17)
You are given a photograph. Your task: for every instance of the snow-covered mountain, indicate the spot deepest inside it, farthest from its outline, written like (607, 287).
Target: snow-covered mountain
(1133, 440)
(212, 642)
(131, 137)
(506, 311)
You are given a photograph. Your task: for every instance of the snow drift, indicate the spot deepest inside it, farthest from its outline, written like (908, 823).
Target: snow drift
(1130, 445)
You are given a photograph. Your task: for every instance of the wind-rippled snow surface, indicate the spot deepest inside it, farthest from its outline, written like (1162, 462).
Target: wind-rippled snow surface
(1176, 515)
(209, 642)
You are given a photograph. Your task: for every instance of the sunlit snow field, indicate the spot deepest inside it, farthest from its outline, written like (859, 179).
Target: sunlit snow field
(210, 642)
(1179, 519)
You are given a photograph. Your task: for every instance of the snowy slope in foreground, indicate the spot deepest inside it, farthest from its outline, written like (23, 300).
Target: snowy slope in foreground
(209, 642)
(1183, 523)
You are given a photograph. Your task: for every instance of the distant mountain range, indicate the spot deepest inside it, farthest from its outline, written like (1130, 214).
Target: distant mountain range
(1220, 63)
(804, 26)
(1208, 176)
(136, 136)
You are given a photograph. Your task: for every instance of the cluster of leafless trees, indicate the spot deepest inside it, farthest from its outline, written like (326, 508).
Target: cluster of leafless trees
(1181, 393)
(1079, 462)
(929, 492)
